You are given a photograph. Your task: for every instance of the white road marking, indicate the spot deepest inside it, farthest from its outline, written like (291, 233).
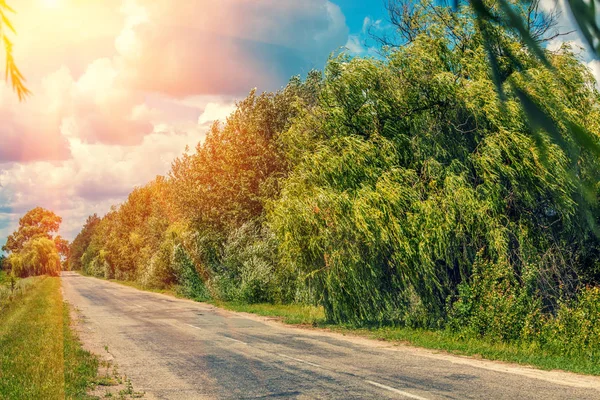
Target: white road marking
(235, 340)
(301, 361)
(195, 327)
(400, 392)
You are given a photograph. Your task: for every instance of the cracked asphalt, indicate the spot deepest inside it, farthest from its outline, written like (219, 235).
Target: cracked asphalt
(178, 349)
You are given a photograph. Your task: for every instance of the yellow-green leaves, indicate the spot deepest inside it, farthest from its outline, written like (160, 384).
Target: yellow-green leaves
(12, 72)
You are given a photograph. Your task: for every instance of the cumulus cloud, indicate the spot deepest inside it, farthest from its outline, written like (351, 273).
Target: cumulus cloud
(216, 111)
(121, 87)
(575, 44)
(96, 108)
(30, 132)
(226, 47)
(97, 176)
(102, 109)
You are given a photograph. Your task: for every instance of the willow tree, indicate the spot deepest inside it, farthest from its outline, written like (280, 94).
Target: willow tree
(33, 248)
(417, 191)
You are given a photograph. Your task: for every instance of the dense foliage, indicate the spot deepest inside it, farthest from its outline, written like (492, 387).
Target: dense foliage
(33, 249)
(396, 190)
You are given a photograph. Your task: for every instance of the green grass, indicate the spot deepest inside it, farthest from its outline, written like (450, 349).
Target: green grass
(40, 355)
(525, 353)
(288, 313)
(9, 294)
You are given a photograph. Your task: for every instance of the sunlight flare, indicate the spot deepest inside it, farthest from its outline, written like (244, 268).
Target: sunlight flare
(51, 3)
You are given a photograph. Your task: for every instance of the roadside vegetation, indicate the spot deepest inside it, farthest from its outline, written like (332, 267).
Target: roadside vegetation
(396, 194)
(40, 355)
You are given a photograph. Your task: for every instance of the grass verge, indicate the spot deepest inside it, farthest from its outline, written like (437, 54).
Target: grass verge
(40, 355)
(288, 313)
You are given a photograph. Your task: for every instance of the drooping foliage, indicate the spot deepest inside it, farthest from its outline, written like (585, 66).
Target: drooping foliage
(421, 179)
(394, 190)
(33, 249)
(38, 256)
(12, 72)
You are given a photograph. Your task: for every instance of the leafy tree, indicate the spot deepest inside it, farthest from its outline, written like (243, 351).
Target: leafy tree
(81, 242)
(396, 190)
(38, 256)
(526, 28)
(33, 249)
(420, 184)
(62, 246)
(38, 222)
(224, 184)
(123, 242)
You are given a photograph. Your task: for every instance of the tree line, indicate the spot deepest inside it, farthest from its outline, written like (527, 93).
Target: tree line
(395, 190)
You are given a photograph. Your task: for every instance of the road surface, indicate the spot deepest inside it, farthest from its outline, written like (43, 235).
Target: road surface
(178, 349)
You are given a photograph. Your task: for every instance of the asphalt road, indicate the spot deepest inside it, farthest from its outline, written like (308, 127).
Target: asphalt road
(177, 349)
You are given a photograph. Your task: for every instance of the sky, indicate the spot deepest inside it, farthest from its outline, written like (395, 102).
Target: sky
(121, 87)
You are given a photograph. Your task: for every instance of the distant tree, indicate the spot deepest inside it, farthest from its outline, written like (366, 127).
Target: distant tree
(81, 243)
(38, 256)
(62, 245)
(38, 222)
(33, 249)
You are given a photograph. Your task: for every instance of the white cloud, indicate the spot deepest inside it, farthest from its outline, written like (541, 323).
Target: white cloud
(576, 45)
(229, 47)
(97, 176)
(354, 45)
(216, 111)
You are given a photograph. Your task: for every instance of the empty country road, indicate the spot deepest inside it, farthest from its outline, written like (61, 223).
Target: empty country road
(178, 349)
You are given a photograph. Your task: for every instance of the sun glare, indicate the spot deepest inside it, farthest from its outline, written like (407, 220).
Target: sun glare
(51, 3)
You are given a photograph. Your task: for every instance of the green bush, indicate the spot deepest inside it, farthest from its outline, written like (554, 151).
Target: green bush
(250, 268)
(575, 330)
(189, 283)
(159, 273)
(493, 305)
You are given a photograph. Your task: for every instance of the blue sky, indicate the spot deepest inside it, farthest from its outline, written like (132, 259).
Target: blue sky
(357, 10)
